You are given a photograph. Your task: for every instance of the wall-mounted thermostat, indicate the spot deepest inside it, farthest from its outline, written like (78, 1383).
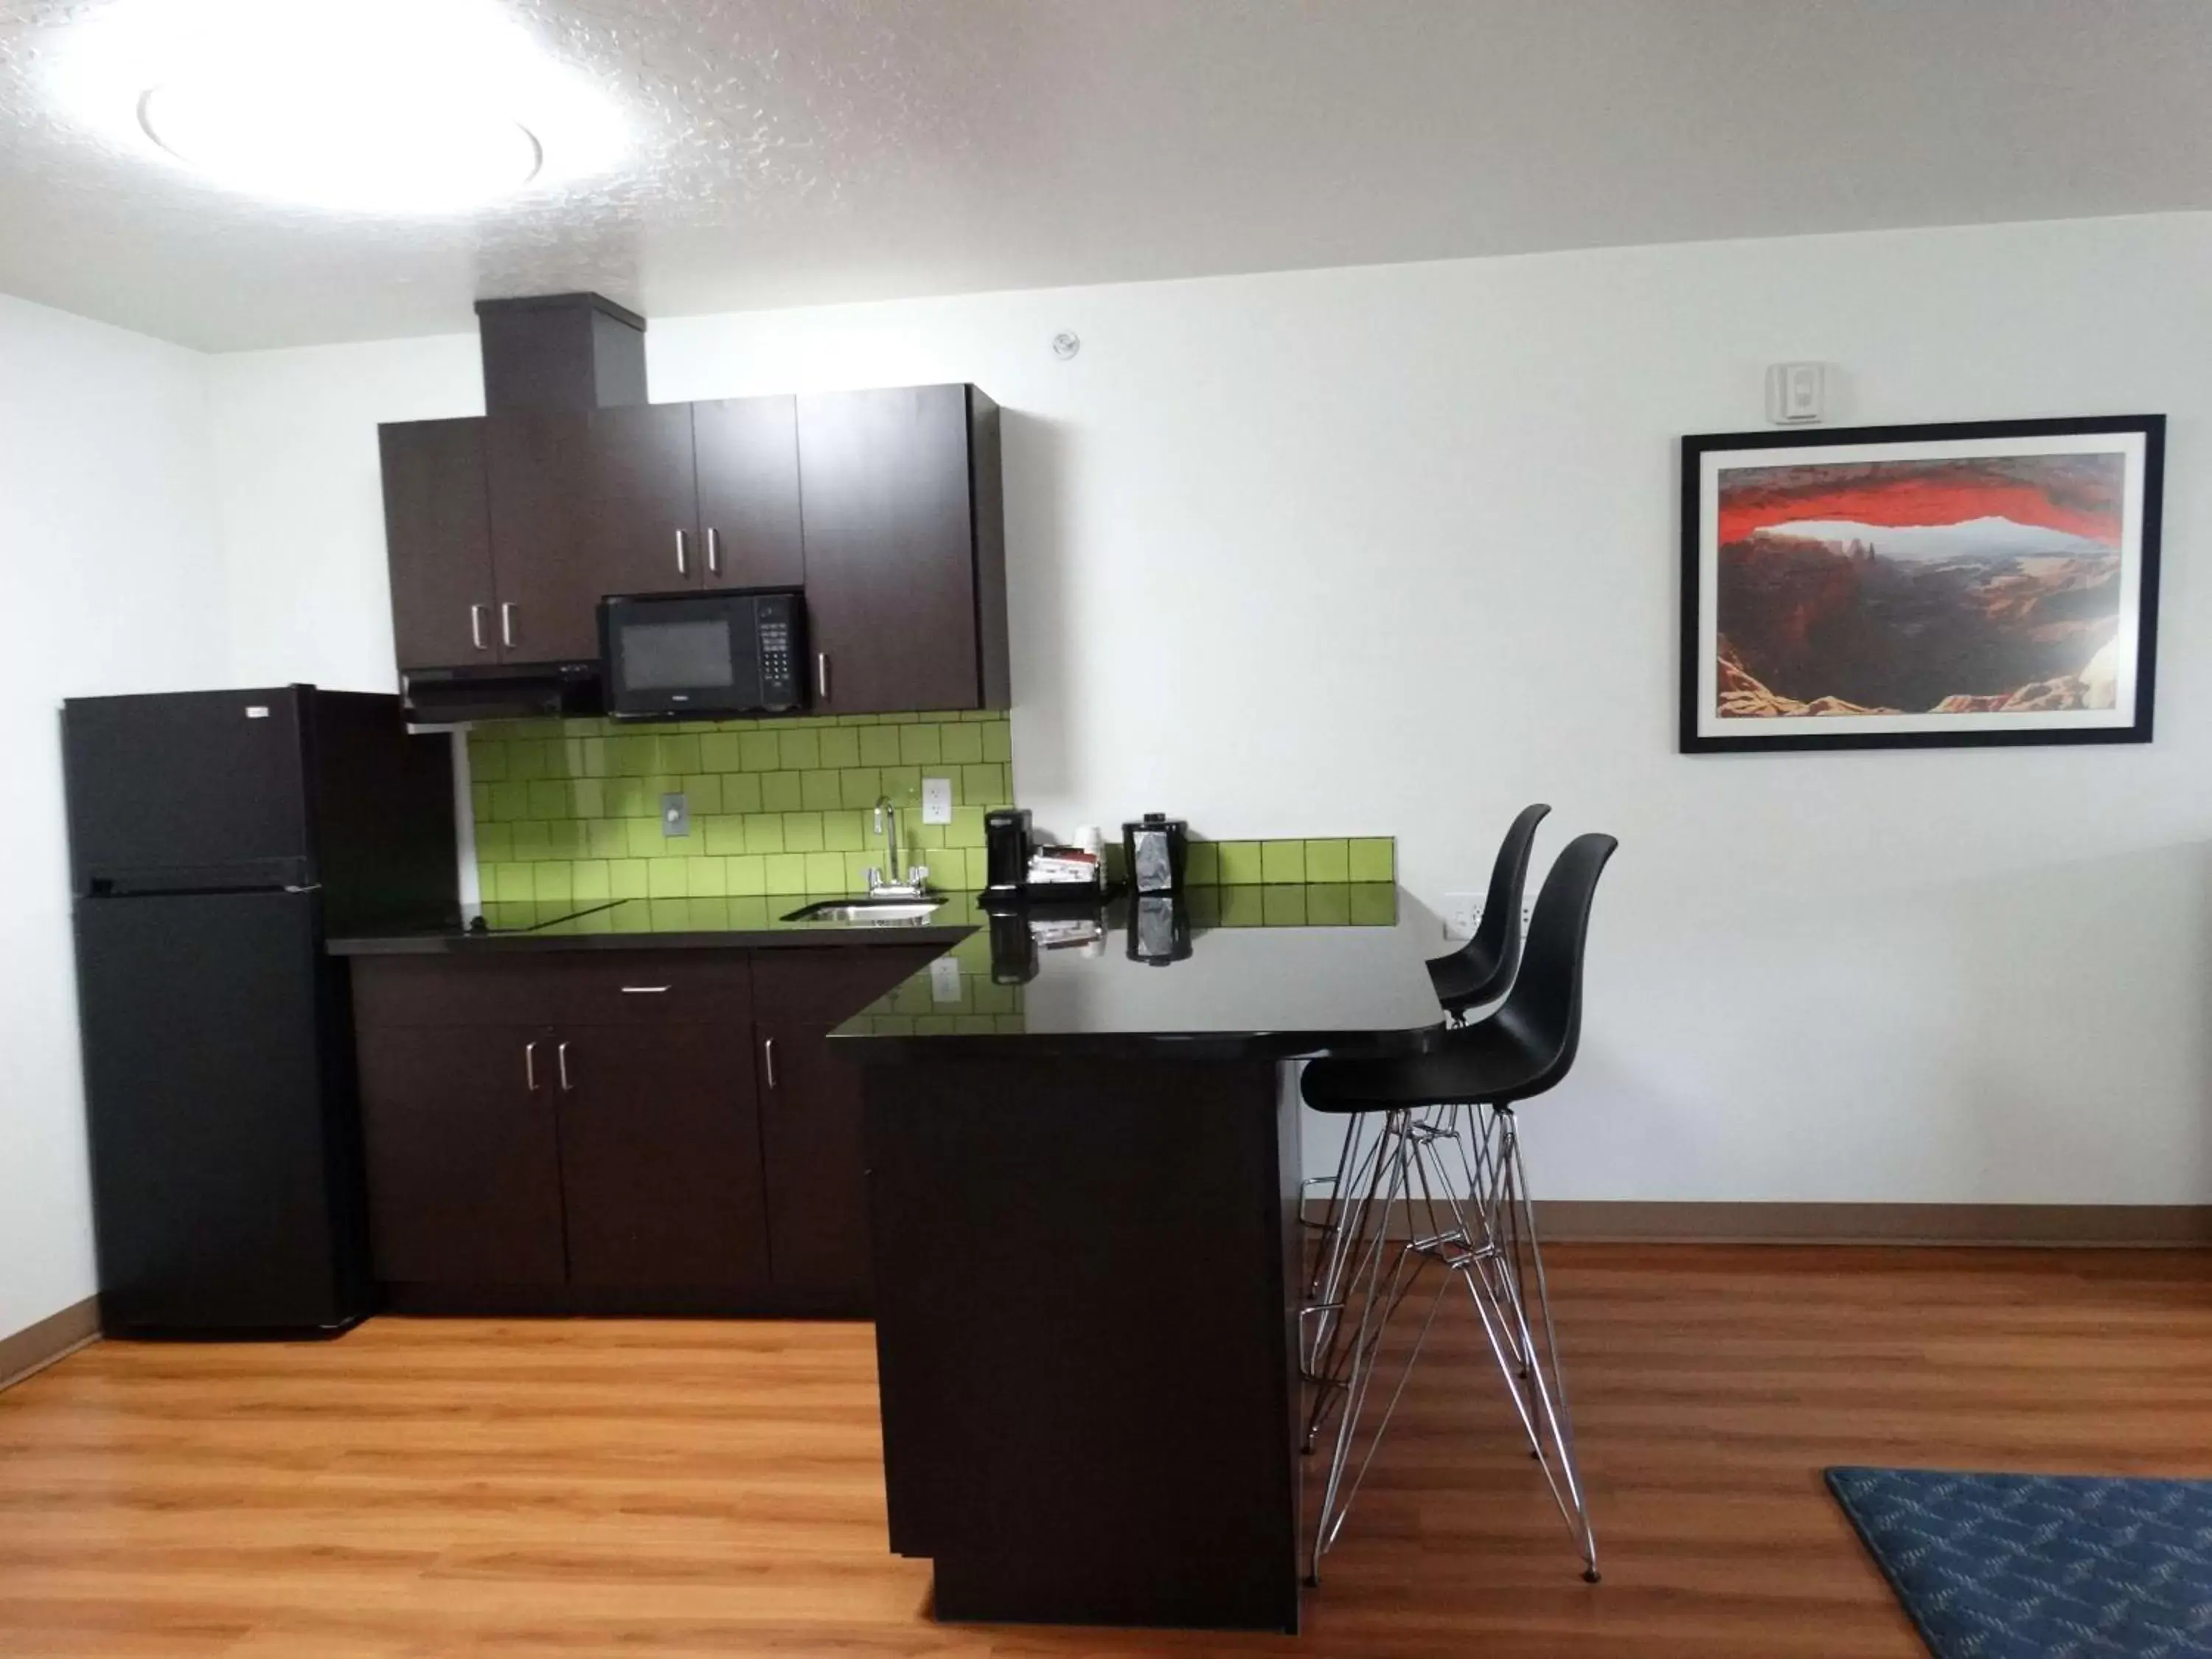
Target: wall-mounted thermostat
(1796, 394)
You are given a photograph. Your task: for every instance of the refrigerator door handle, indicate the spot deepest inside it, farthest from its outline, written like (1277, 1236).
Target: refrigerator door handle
(561, 1059)
(530, 1065)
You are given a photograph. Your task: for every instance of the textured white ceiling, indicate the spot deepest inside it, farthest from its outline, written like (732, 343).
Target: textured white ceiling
(801, 151)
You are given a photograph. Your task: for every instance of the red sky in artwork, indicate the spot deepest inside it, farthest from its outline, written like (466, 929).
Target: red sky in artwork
(1913, 498)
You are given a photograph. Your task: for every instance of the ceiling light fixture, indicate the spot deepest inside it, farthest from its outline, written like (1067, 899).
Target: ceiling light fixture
(358, 150)
(365, 106)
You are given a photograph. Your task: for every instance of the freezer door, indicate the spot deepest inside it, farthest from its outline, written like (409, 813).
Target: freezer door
(224, 1145)
(187, 791)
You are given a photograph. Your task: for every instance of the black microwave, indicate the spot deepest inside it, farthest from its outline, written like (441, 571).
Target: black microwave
(704, 655)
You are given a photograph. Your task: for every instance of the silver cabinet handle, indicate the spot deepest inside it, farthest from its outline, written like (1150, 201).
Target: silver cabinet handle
(713, 551)
(507, 622)
(530, 1065)
(682, 560)
(476, 625)
(643, 990)
(561, 1060)
(768, 1059)
(821, 675)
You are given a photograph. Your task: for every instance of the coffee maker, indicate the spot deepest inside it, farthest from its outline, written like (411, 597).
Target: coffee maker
(1005, 848)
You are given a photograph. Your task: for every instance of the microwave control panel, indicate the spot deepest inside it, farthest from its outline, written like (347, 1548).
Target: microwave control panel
(779, 646)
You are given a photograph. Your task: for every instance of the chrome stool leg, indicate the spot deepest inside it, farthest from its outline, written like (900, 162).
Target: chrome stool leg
(1455, 1175)
(1512, 1299)
(1328, 1252)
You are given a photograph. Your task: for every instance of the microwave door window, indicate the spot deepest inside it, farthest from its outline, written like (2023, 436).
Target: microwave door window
(678, 656)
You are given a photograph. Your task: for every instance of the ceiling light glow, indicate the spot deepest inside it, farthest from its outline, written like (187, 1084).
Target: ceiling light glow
(359, 148)
(365, 106)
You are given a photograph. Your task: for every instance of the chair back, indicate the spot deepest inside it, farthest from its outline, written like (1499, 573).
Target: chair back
(1481, 969)
(1544, 1013)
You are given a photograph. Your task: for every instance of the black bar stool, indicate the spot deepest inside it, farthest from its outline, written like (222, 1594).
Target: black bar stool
(1479, 971)
(1448, 1162)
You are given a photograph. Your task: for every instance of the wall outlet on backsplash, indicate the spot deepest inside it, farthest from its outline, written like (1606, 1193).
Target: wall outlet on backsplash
(676, 814)
(937, 800)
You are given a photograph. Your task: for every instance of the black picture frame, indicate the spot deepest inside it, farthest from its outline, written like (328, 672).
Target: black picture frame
(1696, 649)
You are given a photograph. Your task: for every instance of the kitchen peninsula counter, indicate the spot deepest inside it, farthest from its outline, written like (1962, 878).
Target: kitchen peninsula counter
(1085, 1169)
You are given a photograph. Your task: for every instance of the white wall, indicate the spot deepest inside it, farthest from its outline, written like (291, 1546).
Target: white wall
(1392, 549)
(109, 582)
(300, 498)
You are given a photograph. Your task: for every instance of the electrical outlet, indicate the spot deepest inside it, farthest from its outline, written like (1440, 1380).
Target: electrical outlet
(1462, 915)
(676, 813)
(937, 800)
(945, 979)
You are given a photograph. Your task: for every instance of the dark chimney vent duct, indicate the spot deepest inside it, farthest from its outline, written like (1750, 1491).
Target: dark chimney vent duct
(559, 354)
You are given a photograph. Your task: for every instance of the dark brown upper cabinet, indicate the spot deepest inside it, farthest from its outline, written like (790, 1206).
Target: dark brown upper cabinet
(695, 495)
(544, 558)
(747, 450)
(437, 525)
(643, 527)
(505, 532)
(906, 601)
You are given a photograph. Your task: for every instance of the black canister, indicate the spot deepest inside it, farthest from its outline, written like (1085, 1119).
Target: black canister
(1160, 929)
(1155, 849)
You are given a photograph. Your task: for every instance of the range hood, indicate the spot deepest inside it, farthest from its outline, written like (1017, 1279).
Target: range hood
(448, 696)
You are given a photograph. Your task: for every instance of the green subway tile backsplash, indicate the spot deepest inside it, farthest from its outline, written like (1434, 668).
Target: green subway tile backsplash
(1280, 863)
(570, 811)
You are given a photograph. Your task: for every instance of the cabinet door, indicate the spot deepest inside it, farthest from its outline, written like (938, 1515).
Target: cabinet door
(437, 537)
(813, 1147)
(463, 1160)
(748, 462)
(890, 559)
(548, 580)
(811, 1141)
(660, 1151)
(644, 512)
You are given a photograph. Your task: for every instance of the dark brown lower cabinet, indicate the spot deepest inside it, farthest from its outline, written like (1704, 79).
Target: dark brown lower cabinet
(647, 1132)
(813, 1143)
(813, 1138)
(660, 1157)
(464, 1157)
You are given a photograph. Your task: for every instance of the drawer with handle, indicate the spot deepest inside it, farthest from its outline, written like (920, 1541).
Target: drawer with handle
(655, 987)
(583, 987)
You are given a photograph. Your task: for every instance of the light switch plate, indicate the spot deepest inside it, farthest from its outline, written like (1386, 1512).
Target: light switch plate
(1796, 394)
(937, 800)
(676, 813)
(945, 979)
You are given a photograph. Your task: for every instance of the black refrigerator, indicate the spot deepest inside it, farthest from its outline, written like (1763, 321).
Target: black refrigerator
(215, 839)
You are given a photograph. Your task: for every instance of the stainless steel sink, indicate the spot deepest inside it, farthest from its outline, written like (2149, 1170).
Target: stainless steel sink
(869, 913)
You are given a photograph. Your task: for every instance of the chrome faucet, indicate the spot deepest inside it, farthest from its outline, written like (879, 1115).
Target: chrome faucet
(885, 882)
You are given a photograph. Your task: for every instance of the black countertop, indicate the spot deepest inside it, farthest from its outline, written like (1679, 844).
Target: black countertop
(652, 924)
(1256, 971)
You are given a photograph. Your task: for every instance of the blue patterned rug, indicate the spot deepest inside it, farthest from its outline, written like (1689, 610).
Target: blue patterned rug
(2037, 1566)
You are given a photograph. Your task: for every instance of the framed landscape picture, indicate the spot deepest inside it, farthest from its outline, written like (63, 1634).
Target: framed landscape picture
(1904, 586)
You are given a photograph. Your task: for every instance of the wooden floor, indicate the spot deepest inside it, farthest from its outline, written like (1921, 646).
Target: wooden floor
(473, 1488)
